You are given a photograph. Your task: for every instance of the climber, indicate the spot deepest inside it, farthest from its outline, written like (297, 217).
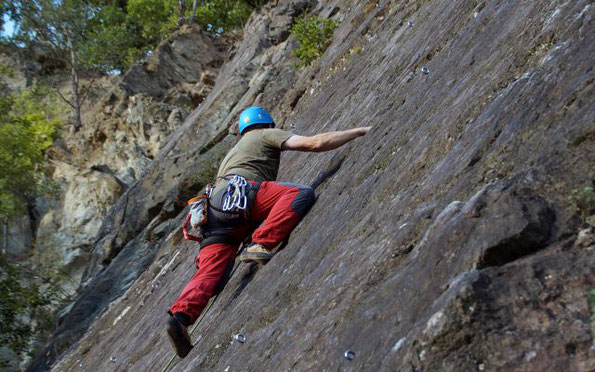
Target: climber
(246, 196)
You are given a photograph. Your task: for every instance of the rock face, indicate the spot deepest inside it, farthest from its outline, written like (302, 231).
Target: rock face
(442, 240)
(123, 132)
(20, 70)
(25, 66)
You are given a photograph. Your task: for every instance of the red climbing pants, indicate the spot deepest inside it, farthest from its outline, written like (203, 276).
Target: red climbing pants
(279, 206)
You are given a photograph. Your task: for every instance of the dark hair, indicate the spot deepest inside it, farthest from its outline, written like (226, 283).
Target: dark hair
(258, 126)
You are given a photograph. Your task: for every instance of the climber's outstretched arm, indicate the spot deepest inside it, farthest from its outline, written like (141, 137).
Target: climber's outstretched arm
(323, 141)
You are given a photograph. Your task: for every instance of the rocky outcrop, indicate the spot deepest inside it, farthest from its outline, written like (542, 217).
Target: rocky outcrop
(442, 240)
(19, 70)
(123, 132)
(23, 67)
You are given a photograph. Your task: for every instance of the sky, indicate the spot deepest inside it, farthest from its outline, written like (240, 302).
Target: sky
(8, 27)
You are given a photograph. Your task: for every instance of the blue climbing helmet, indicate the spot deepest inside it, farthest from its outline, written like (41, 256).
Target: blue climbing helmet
(254, 115)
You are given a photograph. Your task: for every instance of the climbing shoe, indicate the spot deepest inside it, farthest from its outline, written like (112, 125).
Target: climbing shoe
(256, 253)
(179, 337)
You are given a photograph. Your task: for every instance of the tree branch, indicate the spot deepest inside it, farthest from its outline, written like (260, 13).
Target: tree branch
(39, 28)
(87, 89)
(64, 98)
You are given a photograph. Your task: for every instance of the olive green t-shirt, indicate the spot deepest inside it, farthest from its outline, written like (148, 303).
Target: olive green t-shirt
(256, 156)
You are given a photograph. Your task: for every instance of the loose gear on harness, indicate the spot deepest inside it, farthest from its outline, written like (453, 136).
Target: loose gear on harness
(231, 204)
(198, 212)
(197, 216)
(225, 209)
(235, 198)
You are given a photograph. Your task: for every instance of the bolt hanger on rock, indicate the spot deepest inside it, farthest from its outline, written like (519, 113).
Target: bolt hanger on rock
(349, 354)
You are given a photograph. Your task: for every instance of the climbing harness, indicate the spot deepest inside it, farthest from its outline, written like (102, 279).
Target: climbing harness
(229, 208)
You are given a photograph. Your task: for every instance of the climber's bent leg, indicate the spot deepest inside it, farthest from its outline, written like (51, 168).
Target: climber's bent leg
(279, 206)
(214, 263)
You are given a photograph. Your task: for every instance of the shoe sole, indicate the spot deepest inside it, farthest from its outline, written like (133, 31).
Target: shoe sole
(176, 336)
(259, 257)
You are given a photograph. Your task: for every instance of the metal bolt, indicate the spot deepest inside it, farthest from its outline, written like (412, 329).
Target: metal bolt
(349, 354)
(113, 359)
(240, 338)
(398, 345)
(410, 23)
(425, 70)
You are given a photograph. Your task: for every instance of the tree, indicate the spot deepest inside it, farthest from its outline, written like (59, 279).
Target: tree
(61, 28)
(95, 37)
(181, 12)
(193, 13)
(115, 40)
(161, 17)
(30, 291)
(220, 16)
(90, 37)
(155, 18)
(27, 129)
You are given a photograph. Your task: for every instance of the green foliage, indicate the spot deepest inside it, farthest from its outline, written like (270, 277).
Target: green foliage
(29, 295)
(6, 71)
(583, 201)
(108, 35)
(59, 24)
(206, 170)
(27, 128)
(98, 33)
(220, 16)
(356, 50)
(159, 18)
(115, 41)
(155, 18)
(314, 35)
(15, 301)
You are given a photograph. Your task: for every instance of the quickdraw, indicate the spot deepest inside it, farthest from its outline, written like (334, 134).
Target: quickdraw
(235, 194)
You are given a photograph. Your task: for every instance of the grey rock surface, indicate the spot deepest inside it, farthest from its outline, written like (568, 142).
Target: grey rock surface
(442, 240)
(123, 132)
